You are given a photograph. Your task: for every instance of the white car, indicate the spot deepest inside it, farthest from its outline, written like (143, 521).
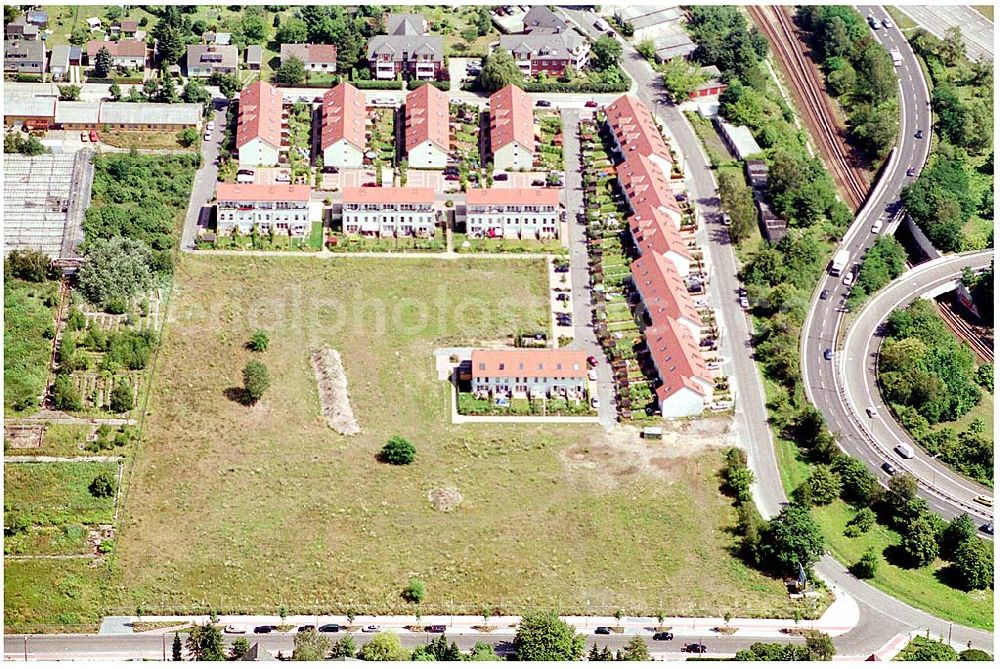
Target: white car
(877, 226)
(744, 302)
(712, 365)
(211, 125)
(234, 629)
(725, 219)
(887, 22)
(282, 176)
(848, 278)
(592, 374)
(208, 136)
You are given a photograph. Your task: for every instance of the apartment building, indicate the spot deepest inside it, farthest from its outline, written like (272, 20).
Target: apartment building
(126, 54)
(406, 50)
(281, 208)
(645, 186)
(512, 213)
(635, 132)
(389, 212)
(547, 53)
(663, 293)
(258, 125)
(686, 384)
(512, 129)
(427, 132)
(342, 129)
(529, 373)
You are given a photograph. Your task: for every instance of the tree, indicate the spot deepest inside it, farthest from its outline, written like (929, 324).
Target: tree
(772, 652)
(415, 591)
(647, 49)
(292, 31)
(974, 563)
(64, 396)
(439, 650)
(636, 650)
(483, 652)
(176, 650)
(69, 92)
(258, 341)
(115, 271)
(238, 649)
(952, 46)
(103, 62)
(499, 71)
(857, 484)
(679, 76)
(228, 83)
(867, 565)
(256, 380)
(344, 647)
(29, 265)
(820, 646)
(252, 28)
(187, 137)
(920, 541)
(292, 72)
(310, 646)
(384, 647)
(790, 539)
(116, 91)
(957, 532)
(482, 21)
(824, 484)
(544, 637)
(974, 655)
(195, 91)
(863, 521)
(398, 451)
(103, 485)
(600, 655)
(204, 643)
(605, 52)
(79, 36)
(167, 90)
(122, 399)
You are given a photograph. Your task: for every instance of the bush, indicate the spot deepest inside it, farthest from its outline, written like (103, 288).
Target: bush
(122, 399)
(974, 655)
(64, 396)
(414, 84)
(29, 265)
(103, 485)
(398, 451)
(258, 341)
(863, 521)
(415, 591)
(256, 380)
(867, 566)
(378, 84)
(116, 270)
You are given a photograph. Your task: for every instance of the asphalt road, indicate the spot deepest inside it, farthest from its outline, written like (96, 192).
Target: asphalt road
(857, 373)
(977, 30)
(203, 190)
(95, 647)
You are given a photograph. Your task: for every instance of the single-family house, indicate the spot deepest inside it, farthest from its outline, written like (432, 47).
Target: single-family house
(315, 57)
(512, 129)
(59, 62)
(24, 56)
(126, 54)
(20, 29)
(427, 128)
(512, 213)
(401, 211)
(406, 50)
(254, 57)
(342, 130)
(529, 373)
(685, 382)
(282, 208)
(37, 17)
(634, 131)
(546, 53)
(128, 28)
(258, 125)
(663, 292)
(644, 185)
(204, 60)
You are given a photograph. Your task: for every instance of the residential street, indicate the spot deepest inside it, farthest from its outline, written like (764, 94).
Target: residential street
(204, 181)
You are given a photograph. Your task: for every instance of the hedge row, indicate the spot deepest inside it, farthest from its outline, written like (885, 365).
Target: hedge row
(379, 84)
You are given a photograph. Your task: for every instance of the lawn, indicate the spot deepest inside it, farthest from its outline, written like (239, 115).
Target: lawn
(449, 22)
(55, 493)
(41, 599)
(29, 314)
(499, 245)
(919, 587)
(252, 507)
(983, 410)
(355, 243)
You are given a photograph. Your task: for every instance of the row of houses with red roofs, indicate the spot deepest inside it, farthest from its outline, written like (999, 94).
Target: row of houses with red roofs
(674, 326)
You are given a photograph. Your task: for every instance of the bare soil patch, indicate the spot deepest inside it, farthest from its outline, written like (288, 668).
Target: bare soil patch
(444, 499)
(333, 397)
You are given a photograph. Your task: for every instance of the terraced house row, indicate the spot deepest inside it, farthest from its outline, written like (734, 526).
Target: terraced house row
(673, 324)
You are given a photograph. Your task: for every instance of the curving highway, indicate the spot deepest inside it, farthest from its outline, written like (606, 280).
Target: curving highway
(873, 438)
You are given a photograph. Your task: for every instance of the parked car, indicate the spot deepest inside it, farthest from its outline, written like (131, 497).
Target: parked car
(828, 354)
(538, 183)
(451, 177)
(331, 627)
(234, 629)
(543, 103)
(369, 184)
(595, 404)
(663, 636)
(283, 177)
(592, 374)
(306, 628)
(592, 360)
(84, 137)
(591, 104)
(744, 302)
(681, 197)
(824, 294)
(264, 629)
(694, 648)
(207, 136)
(910, 171)
(330, 169)
(210, 126)
(93, 136)
(602, 630)
(888, 468)
(436, 629)
(450, 169)
(877, 226)
(501, 177)
(563, 297)
(370, 629)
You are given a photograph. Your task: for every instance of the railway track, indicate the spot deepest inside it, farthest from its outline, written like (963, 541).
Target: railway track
(807, 86)
(982, 345)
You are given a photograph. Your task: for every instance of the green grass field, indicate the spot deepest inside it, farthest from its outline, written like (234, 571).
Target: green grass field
(55, 493)
(247, 508)
(25, 349)
(40, 598)
(920, 587)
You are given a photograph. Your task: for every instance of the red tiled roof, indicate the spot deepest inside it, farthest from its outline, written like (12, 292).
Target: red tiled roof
(653, 231)
(343, 116)
(512, 118)
(529, 362)
(513, 196)
(262, 192)
(635, 128)
(388, 195)
(663, 291)
(427, 117)
(310, 53)
(644, 183)
(122, 48)
(259, 114)
(678, 361)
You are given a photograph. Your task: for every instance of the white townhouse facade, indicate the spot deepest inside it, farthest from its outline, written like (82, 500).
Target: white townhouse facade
(529, 373)
(512, 213)
(281, 208)
(402, 211)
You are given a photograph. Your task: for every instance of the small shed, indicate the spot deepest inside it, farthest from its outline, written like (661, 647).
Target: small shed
(652, 432)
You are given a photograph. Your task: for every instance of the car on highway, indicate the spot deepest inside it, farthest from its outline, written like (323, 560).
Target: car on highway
(694, 648)
(886, 22)
(871, 412)
(663, 636)
(828, 354)
(592, 360)
(602, 630)
(984, 500)
(873, 22)
(824, 294)
(590, 103)
(877, 226)
(910, 171)
(331, 627)
(234, 629)
(370, 629)
(919, 134)
(888, 468)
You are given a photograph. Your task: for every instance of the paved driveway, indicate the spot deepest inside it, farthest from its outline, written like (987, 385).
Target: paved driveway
(198, 212)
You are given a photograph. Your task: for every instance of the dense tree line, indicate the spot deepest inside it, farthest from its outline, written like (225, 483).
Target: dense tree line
(818, 647)
(725, 40)
(883, 262)
(940, 200)
(859, 71)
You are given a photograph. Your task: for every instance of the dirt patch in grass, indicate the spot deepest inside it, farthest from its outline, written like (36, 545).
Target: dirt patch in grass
(444, 499)
(150, 625)
(333, 398)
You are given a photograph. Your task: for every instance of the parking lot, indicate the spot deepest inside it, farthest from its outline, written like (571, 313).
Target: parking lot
(350, 177)
(270, 175)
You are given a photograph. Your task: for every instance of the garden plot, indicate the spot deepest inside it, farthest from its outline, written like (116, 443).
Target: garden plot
(549, 151)
(147, 315)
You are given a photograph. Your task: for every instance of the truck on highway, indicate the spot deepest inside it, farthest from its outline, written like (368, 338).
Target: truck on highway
(839, 262)
(897, 57)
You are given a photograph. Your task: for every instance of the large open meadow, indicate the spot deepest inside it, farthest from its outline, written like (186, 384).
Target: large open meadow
(243, 508)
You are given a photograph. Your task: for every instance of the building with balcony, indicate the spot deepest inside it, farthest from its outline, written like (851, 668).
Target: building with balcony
(406, 50)
(653, 232)
(546, 53)
(512, 213)
(427, 128)
(686, 384)
(645, 186)
(342, 130)
(389, 212)
(281, 208)
(512, 129)
(526, 373)
(258, 125)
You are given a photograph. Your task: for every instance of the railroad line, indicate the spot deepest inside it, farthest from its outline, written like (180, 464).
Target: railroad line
(982, 345)
(807, 86)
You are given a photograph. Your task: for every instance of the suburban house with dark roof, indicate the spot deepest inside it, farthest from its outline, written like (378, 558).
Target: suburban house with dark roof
(204, 60)
(258, 125)
(549, 53)
(283, 208)
(427, 128)
(406, 50)
(400, 211)
(254, 56)
(315, 57)
(126, 54)
(512, 213)
(512, 129)
(342, 130)
(529, 373)
(20, 29)
(24, 56)
(541, 19)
